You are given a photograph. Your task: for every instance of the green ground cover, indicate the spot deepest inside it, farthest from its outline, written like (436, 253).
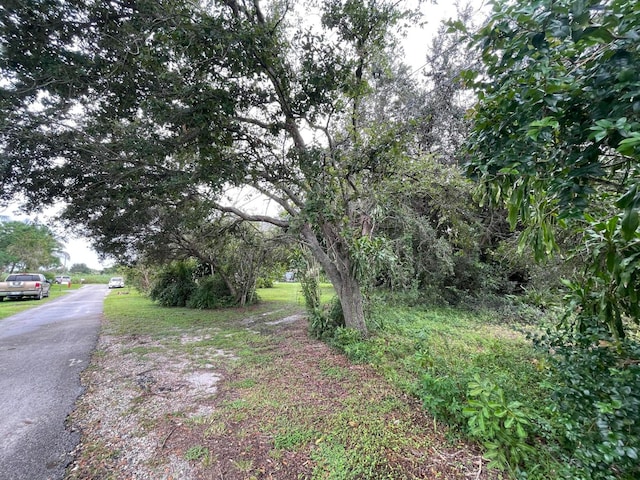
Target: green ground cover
(472, 372)
(437, 356)
(289, 406)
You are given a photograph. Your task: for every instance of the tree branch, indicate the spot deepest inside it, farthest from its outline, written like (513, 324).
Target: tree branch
(259, 123)
(279, 200)
(278, 222)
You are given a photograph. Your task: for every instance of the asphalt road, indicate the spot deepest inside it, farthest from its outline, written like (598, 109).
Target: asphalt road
(42, 352)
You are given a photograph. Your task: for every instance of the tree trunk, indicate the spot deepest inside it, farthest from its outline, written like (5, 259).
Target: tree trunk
(338, 269)
(352, 301)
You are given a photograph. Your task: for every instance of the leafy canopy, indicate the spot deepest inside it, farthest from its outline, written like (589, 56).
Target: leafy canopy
(557, 136)
(133, 109)
(25, 246)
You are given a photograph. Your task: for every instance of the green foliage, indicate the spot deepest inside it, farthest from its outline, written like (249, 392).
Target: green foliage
(328, 320)
(174, 285)
(501, 426)
(254, 79)
(436, 244)
(28, 246)
(141, 276)
(323, 321)
(197, 452)
(443, 396)
(429, 224)
(264, 282)
(370, 256)
(310, 283)
(595, 403)
(351, 342)
(211, 292)
(556, 135)
(441, 356)
(80, 268)
(608, 294)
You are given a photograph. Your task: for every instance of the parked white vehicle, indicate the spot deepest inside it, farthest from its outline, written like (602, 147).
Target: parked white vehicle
(116, 282)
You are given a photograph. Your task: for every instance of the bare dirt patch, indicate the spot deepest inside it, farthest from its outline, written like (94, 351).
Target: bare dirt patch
(274, 405)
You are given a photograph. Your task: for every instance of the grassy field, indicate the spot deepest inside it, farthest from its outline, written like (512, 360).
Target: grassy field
(136, 314)
(338, 426)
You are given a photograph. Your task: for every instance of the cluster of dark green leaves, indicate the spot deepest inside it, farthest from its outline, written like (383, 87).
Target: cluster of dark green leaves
(557, 140)
(595, 403)
(181, 284)
(211, 292)
(559, 101)
(328, 322)
(608, 290)
(324, 320)
(434, 238)
(174, 285)
(500, 425)
(557, 133)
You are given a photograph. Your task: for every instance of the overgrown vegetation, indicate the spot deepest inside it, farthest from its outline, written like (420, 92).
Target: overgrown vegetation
(595, 402)
(174, 285)
(556, 141)
(471, 372)
(563, 407)
(363, 160)
(476, 373)
(182, 284)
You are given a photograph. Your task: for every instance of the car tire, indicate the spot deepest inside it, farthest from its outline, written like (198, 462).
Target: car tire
(40, 295)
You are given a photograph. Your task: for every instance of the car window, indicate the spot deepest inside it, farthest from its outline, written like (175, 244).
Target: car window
(23, 278)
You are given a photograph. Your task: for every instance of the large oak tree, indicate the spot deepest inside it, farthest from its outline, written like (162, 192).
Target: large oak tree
(128, 105)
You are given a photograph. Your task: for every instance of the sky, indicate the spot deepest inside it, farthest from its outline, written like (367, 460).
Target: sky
(416, 46)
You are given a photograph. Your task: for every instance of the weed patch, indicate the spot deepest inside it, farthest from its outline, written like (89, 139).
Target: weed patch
(443, 357)
(197, 452)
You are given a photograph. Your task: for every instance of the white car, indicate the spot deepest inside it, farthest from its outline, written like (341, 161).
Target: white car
(116, 282)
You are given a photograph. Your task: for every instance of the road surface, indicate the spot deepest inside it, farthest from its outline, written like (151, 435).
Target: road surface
(42, 352)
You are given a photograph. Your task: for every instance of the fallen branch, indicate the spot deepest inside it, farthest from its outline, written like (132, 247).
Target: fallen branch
(164, 442)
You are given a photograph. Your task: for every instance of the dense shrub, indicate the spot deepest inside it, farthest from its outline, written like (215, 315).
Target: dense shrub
(595, 403)
(264, 282)
(211, 292)
(174, 285)
(324, 323)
